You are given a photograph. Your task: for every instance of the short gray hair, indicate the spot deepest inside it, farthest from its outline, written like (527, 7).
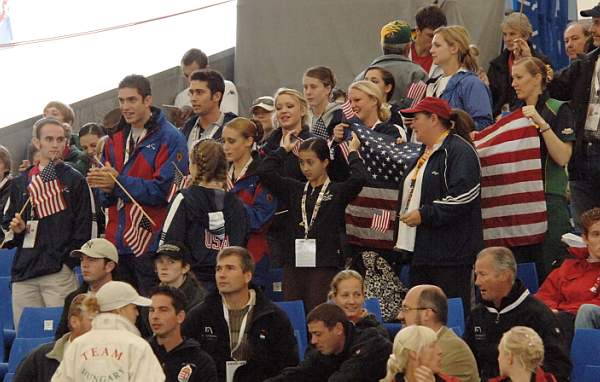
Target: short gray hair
(585, 25)
(503, 260)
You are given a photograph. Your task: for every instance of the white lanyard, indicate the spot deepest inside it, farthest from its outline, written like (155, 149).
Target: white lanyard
(241, 174)
(315, 209)
(242, 327)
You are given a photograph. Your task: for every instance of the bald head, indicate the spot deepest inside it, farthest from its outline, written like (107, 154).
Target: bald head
(425, 305)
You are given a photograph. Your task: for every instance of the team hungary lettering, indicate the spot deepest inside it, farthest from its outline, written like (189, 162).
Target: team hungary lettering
(101, 352)
(111, 376)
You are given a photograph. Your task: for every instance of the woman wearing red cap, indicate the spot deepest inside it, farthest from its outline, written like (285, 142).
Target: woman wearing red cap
(440, 226)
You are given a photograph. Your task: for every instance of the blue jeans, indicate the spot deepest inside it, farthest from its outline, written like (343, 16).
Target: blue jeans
(588, 317)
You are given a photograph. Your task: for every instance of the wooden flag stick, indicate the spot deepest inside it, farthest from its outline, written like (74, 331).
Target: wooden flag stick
(20, 213)
(129, 195)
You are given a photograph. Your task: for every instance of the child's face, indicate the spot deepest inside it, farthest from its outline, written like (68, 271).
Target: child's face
(312, 167)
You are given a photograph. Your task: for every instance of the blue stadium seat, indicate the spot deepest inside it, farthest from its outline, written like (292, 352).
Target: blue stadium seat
(405, 275)
(372, 306)
(456, 315)
(275, 291)
(39, 322)
(6, 259)
(585, 351)
(8, 377)
(6, 315)
(21, 347)
(527, 273)
(392, 328)
(591, 374)
(297, 316)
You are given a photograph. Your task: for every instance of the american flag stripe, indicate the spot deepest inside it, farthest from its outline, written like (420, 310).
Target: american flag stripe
(180, 181)
(347, 110)
(46, 193)
(139, 234)
(512, 190)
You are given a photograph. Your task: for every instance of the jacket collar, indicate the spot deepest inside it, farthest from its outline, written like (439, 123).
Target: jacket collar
(262, 304)
(112, 321)
(58, 350)
(186, 344)
(515, 297)
(389, 57)
(156, 119)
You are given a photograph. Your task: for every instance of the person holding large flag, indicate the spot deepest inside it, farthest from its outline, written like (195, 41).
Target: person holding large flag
(440, 225)
(556, 127)
(49, 213)
(135, 177)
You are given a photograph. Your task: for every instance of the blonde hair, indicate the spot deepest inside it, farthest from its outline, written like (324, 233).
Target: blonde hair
(370, 89)
(525, 344)
(346, 274)
(518, 21)
(299, 98)
(411, 338)
(210, 160)
(457, 36)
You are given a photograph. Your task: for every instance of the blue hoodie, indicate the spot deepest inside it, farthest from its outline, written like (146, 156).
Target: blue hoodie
(467, 92)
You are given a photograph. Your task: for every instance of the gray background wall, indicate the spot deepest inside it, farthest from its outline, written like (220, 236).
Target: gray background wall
(277, 40)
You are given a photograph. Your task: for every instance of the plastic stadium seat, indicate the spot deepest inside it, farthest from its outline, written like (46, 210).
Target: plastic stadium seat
(591, 374)
(585, 350)
(39, 322)
(392, 328)
(9, 377)
(372, 306)
(6, 316)
(527, 273)
(6, 259)
(456, 315)
(21, 347)
(297, 316)
(275, 292)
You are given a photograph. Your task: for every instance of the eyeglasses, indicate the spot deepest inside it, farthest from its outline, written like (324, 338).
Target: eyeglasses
(405, 309)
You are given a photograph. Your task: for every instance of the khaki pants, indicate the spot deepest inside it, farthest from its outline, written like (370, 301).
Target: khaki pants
(44, 291)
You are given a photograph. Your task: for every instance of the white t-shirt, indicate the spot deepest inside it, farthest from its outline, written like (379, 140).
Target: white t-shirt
(228, 104)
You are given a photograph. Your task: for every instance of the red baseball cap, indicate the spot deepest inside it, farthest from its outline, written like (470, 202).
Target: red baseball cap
(431, 105)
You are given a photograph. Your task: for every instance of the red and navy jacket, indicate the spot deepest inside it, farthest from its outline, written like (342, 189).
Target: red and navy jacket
(260, 205)
(147, 175)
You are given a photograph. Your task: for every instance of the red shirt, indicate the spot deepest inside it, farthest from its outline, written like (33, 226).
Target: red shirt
(424, 61)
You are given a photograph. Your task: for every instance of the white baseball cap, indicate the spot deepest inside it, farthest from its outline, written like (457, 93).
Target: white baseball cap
(117, 294)
(98, 248)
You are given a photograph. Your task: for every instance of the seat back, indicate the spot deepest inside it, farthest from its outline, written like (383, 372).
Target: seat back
(39, 322)
(297, 317)
(585, 351)
(6, 260)
(6, 313)
(527, 273)
(372, 306)
(591, 374)
(456, 315)
(21, 347)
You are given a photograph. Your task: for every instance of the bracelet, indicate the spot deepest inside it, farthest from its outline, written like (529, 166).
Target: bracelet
(542, 131)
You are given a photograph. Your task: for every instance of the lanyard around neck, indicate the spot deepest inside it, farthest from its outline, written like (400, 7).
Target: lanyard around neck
(305, 223)
(241, 174)
(242, 326)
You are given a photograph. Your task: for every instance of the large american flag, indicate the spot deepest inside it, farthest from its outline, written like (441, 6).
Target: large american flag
(46, 192)
(139, 233)
(513, 204)
(386, 161)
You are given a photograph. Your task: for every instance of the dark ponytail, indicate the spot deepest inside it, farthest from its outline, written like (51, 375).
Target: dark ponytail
(460, 123)
(259, 132)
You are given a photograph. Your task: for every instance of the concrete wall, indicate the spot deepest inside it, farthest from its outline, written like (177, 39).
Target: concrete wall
(165, 85)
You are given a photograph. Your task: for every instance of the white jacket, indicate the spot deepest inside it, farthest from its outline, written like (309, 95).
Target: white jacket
(112, 351)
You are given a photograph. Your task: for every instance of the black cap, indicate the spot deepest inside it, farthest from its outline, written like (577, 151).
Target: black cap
(175, 251)
(594, 12)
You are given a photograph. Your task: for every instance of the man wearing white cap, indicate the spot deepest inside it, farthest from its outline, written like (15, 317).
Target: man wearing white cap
(113, 350)
(99, 259)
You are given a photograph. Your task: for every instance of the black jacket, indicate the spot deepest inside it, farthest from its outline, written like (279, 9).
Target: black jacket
(328, 227)
(41, 363)
(501, 80)
(289, 167)
(574, 84)
(63, 325)
(486, 326)
(451, 231)
(363, 359)
(58, 234)
(188, 222)
(189, 125)
(370, 321)
(271, 338)
(4, 194)
(187, 356)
